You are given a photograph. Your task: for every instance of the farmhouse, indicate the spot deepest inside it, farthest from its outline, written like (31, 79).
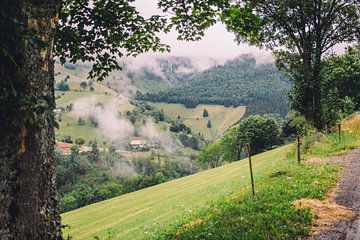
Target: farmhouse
(63, 145)
(139, 144)
(58, 110)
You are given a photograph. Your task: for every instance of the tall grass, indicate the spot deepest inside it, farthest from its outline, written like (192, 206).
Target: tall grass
(330, 144)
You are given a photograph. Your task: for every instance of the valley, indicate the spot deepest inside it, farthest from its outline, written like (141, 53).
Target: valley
(180, 120)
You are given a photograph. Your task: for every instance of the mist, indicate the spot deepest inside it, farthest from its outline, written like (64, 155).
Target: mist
(149, 131)
(110, 124)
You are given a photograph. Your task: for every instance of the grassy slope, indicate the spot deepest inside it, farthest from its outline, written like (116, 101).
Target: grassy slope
(271, 215)
(221, 117)
(128, 216)
(69, 124)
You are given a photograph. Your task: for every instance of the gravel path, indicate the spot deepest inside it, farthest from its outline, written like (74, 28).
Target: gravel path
(348, 195)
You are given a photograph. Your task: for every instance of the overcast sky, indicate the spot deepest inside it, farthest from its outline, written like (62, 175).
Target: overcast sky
(218, 43)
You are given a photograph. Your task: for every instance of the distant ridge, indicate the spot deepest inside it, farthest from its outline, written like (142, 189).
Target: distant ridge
(261, 87)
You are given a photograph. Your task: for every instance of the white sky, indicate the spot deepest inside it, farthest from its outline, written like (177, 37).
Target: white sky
(218, 43)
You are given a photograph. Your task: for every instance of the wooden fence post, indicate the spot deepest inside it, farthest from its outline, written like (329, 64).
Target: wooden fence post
(339, 130)
(251, 172)
(298, 148)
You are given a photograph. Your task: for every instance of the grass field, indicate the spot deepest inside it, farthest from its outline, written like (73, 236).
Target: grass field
(221, 117)
(129, 216)
(224, 195)
(68, 126)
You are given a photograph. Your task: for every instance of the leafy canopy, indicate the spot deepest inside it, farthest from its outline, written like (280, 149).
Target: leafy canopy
(102, 31)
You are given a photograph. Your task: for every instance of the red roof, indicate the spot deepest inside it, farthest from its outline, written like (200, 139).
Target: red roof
(63, 145)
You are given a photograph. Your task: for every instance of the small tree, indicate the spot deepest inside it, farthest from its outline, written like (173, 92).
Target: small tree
(205, 113)
(80, 141)
(232, 144)
(261, 132)
(295, 124)
(67, 139)
(92, 89)
(81, 121)
(94, 122)
(211, 155)
(94, 154)
(83, 85)
(208, 124)
(62, 86)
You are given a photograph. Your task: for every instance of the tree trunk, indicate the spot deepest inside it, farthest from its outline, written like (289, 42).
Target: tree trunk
(28, 202)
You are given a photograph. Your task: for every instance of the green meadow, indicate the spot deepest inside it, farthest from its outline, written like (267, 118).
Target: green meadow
(221, 117)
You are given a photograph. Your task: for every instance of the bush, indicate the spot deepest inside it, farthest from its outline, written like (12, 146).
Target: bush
(109, 190)
(83, 84)
(261, 132)
(189, 141)
(62, 86)
(70, 66)
(208, 125)
(191, 103)
(67, 203)
(93, 121)
(178, 127)
(81, 121)
(205, 113)
(66, 139)
(295, 124)
(80, 141)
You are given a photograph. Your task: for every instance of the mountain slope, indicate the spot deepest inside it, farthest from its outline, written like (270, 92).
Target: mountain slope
(130, 216)
(238, 82)
(159, 73)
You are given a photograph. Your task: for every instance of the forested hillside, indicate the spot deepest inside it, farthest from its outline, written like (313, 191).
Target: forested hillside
(156, 74)
(238, 82)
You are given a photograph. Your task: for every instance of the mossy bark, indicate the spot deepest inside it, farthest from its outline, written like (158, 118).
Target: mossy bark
(28, 202)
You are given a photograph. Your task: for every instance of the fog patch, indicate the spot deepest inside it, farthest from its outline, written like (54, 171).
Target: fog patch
(109, 122)
(149, 131)
(122, 169)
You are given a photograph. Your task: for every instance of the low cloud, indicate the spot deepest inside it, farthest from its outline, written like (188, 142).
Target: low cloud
(150, 132)
(109, 122)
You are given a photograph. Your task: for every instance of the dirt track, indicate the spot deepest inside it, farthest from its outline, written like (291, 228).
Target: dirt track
(348, 195)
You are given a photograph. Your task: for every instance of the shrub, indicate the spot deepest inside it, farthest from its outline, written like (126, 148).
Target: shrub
(205, 113)
(83, 84)
(70, 66)
(208, 125)
(62, 86)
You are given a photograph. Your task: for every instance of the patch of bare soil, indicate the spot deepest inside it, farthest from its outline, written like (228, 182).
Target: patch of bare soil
(337, 159)
(337, 218)
(325, 213)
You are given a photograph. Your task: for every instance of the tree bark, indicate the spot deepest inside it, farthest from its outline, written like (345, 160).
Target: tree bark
(28, 202)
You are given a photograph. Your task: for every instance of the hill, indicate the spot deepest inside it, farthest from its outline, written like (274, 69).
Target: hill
(115, 87)
(157, 73)
(68, 123)
(217, 203)
(130, 216)
(238, 82)
(221, 117)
